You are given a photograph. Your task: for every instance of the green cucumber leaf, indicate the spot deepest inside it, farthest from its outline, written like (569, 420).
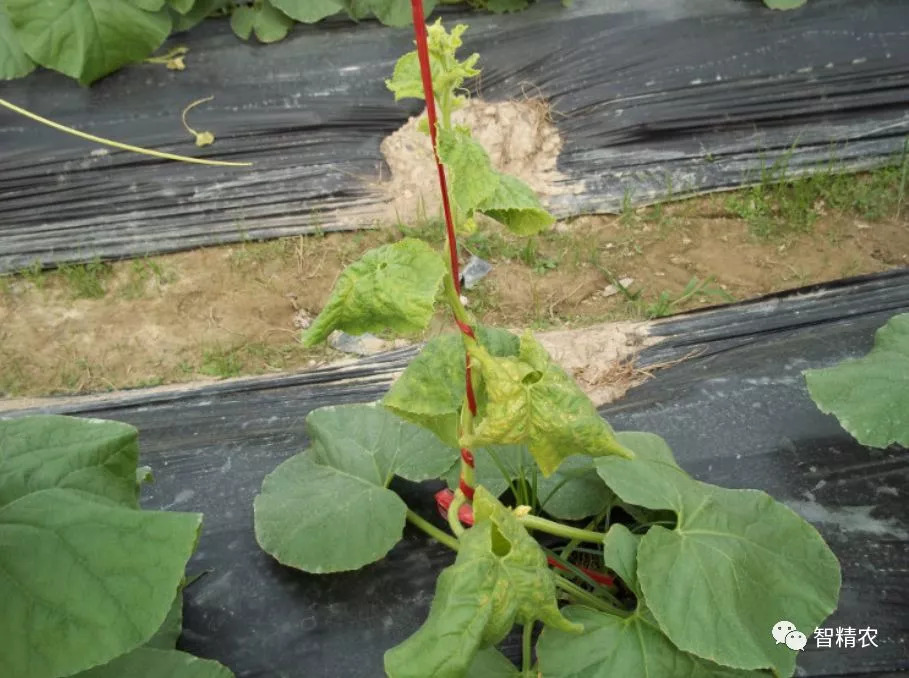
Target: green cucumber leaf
(471, 177)
(319, 519)
(499, 578)
(575, 490)
(503, 6)
(182, 6)
(490, 461)
(531, 400)
(398, 12)
(270, 23)
(308, 11)
(47, 451)
(328, 509)
(87, 39)
(242, 20)
(393, 286)
(201, 10)
(14, 62)
(371, 443)
(168, 634)
(612, 646)
(743, 560)
(784, 4)
(148, 662)
(620, 554)
(514, 204)
(122, 568)
(870, 395)
(490, 663)
(430, 391)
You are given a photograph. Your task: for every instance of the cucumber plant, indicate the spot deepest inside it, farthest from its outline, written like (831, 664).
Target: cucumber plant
(629, 565)
(91, 585)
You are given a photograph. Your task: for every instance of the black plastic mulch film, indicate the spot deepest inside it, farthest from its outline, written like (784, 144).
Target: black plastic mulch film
(650, 96)
(735, 411)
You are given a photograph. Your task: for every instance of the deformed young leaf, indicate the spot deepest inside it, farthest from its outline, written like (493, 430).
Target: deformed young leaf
(87, 39)
(870, 395)
(390, 287)
(122, 568)
(531, 400)
(149, 662)
(448, 73)
(47, 451)
(430, 392)
(406, 81)
(614, 646)
(743, 560)
(499, 578)
(328, 509)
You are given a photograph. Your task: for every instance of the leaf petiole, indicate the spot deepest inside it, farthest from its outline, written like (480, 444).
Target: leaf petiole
(587, 598)
(421, 523)
(532, 522)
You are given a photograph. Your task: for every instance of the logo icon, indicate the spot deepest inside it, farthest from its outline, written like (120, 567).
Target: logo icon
(785, 632)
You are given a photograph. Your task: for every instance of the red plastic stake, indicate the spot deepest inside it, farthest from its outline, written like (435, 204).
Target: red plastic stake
(419, 28)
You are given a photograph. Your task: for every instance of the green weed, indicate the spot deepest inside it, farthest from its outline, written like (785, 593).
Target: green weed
(86, 281)
(780, 205)
(141, 272)
(667, 303)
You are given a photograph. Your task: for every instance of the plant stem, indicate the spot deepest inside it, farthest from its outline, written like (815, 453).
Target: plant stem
(456, 503)
(454, 302)
(570, 547)
(117, 144)
(587, 598)
(419, 522)
(551, 527)
(526, 643)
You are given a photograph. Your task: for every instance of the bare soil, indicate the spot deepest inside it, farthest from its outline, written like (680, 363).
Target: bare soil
(236, 310)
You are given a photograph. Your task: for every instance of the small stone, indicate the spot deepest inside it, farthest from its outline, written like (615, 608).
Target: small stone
(611, 290)
(302, 320)
(364, 344)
